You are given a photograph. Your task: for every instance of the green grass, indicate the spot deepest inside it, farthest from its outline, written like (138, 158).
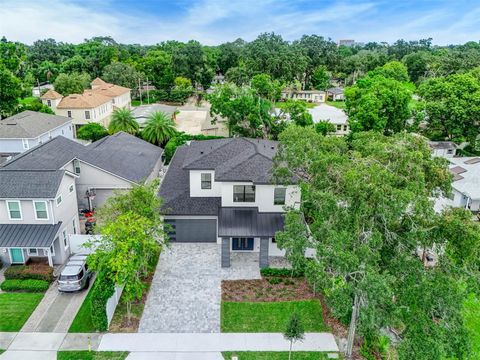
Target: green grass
(28, 100)
(296, 355)
(270, 316)
(92, 355)
(281, 104)
(16, 308)
(144, 101)
(471, 318)
(83, 321)
(337, 104)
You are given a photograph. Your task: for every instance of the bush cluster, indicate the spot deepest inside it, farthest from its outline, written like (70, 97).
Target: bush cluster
(24, 272)
(102, 290)
(29, 285)
(281, 272)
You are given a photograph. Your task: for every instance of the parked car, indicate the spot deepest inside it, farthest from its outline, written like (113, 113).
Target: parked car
(75, 276)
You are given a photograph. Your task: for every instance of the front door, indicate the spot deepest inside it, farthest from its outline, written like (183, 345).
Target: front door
(243, 244)
(17, 256)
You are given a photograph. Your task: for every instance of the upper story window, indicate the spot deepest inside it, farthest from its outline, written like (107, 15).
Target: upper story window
(76, 166)
(69, 113)
(25, 144)
(49, 102)
(41, 212)
(206, 180)
(70, 189)
(87, 115)
(14, 210)
(279, 196)
(243, 193)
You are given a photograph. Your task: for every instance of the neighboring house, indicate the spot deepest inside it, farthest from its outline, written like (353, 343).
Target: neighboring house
(116, 162)
(446, 149)
(94, 105)
(315, 96)
(143, 112)
(335, 94)
(221, 191)
(27, 129)
(218, 79)
(37, 90)
(465, 186)
(346, 42)
(38, 212)
(333, 115)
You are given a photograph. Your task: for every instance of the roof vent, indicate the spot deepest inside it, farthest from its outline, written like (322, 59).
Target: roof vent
(201, 152)
(273, 147)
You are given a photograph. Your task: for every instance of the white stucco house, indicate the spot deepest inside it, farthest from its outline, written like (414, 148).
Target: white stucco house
(314, 96)
(333, 115)
(446, 149)
(93, 105)
(27, 129)
(39, 88)
(336, 94)
(221, 191)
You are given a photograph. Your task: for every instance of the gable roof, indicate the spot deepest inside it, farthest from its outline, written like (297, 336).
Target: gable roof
(87, 100)
(110, 90)
(121, 154)
(30, 124)
(97, 81)
(30, 184)
(51, 95)
(468, 182)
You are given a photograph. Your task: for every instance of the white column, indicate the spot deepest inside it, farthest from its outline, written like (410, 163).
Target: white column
(50, 260)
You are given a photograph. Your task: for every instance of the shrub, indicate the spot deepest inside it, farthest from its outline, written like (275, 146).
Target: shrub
(102, 290)
(35, 271)
(274, 280)
(29, 285)
(281, 272)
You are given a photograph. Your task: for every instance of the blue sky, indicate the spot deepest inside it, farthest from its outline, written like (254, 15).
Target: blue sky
(216, 21)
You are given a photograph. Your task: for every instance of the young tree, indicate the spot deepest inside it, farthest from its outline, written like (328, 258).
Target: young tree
(75, 83)
(321, 78)
(294, 331)
(92, 132)
(297, 112)
(9, 92)
(159, 128)
(266, 88)
(123, 120)
(324, 127)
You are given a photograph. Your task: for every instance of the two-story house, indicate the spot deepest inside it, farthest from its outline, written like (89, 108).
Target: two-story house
(93, 105)
(38, 211)
(221, 191)
(27, 129)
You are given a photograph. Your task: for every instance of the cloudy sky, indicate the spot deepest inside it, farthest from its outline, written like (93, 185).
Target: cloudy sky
(216, 21)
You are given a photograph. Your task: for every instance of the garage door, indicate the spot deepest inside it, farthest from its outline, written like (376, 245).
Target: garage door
(192, 230)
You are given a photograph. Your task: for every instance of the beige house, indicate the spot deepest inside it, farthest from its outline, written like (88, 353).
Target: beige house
(94, 105)
(314, 96)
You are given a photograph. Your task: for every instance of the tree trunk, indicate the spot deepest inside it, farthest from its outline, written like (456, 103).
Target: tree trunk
(129, 312)
(351, 329)
(290, 351)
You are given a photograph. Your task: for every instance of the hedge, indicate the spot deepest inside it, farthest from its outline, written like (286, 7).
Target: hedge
(281, 272)
(102, 290)
(29, 285)
(23, 272)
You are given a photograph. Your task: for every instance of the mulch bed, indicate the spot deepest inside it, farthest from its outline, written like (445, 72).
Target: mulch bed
(268, 289)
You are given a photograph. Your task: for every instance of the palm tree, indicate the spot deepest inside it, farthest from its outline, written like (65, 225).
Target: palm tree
(159, 128)
(123, 120)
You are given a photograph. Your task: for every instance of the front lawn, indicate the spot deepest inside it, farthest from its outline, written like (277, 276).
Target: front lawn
(16, 308)
(83, 321)
(270, 316)
(281, 355)
(92, 355)
(337, 104)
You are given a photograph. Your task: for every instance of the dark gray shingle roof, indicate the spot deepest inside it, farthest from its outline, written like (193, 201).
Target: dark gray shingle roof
(121, 154)
(30, 184)
(248, 222)
(28, 235)
(30, 124)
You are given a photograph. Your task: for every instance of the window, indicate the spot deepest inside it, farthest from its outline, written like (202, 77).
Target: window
(339, 127)
(49, 102)
(345, 127)
(206, 180)
(33, 251)
(243, 193)
(70, 189)
(52, 249)
(25, 144)
(41, 212)
(65, 239)
(87, 115)
(279, 196)
(242, 244)
(14, 210)
(69, 113)
(449, 151)
(74, 225)
(76, 166)
(59, 200)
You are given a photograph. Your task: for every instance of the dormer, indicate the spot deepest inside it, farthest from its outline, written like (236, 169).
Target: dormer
(51, 98)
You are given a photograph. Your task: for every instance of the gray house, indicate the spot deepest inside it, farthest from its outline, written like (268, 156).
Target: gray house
(38, 210)
(28, 129)
(220, 191)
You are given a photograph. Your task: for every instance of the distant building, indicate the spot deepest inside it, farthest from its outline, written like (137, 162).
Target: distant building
(94, 105)
(346, 42)
(143, 112)
(336, 94)
(218, 79)
(37, 90)
(333, 115)
(446, 149)
(314, 96)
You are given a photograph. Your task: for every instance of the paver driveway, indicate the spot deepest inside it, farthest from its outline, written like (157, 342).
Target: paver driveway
(186, 290)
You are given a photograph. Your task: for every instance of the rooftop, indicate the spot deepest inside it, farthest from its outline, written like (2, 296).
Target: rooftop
(144, 111)
(29, 184)
(327, 112)
(30, 124)
(442, 145)
(51, 95)
(28, 235)
(466, 171)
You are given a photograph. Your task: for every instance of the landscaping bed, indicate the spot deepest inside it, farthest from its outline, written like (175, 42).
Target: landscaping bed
(16, 308)
(36, 271)
(92, 355)
(271, 355)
